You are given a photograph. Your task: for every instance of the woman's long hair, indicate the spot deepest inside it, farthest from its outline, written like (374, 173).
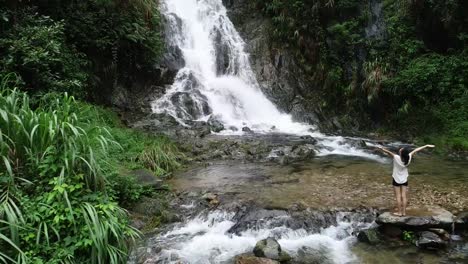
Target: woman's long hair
(404, 155)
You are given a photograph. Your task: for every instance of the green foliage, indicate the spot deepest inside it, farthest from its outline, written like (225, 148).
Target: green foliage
(409, 236)
(82, 47)
(411, 80)
(61, 172)
(36, 51)
(53, 207)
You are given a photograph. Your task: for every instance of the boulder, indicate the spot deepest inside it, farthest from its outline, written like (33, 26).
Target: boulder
(442, 233)
(419, 218)
(270, 248)
(461, 220)
(370, 236)
(147, 178)
(149, 206)
(307, 255)
(247, 130)
(430, 240)
(211, 198)
(215, 125)
(245, 259)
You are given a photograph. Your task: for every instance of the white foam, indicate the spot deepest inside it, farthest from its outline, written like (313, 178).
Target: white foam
(206, 240)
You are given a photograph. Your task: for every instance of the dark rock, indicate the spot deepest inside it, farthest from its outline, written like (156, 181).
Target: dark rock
(246, 259)
(442, 233)
(149, 206)
(247, 130)
(270, 248)
(147, 178)
(391, 231)
(461, 220)
(253, 217)
(211, 198)
(138, 223)
(430, 240)
(215, 124)
(370, 236)
(307, 255)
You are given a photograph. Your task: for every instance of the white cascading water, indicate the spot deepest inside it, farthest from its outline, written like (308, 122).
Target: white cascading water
(204, 33)
(206, 240)
(218, 81)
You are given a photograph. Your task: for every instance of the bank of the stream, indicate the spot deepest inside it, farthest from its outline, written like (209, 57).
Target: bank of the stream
(314, 205)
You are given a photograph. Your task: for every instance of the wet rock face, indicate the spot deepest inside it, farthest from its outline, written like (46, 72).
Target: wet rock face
(431, 241)
(248, 218)
(215, 124)
(461, 220)
(281, 79)
(271, 249)
(134, 95)
(370, 236)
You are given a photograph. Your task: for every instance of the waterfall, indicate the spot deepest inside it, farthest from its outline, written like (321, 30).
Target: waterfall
(217, 79)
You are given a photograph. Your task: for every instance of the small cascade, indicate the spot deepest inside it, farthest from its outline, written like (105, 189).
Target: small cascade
(209, 238)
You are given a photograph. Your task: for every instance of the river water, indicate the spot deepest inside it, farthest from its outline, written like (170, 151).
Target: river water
(325, 183)
(218, 82)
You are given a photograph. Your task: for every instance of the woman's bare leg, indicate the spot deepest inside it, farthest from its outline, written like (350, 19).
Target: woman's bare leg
(404, 191)
(398, 198)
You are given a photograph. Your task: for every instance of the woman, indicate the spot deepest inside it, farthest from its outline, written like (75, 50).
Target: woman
(400, 175)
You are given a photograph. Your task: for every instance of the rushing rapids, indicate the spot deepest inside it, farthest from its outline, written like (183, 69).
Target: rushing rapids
(213, 238)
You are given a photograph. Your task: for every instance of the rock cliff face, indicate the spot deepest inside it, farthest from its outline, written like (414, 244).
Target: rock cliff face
(133, 95)
(280, 78)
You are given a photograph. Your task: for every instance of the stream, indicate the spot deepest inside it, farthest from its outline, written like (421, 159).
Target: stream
(313, 207)
(260, 200)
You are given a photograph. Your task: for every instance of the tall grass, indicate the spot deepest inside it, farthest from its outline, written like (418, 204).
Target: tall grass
(53, 205)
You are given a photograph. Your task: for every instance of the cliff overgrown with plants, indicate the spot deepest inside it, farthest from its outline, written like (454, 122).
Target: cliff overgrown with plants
(82, 47)
(64, 163)
(397, 66)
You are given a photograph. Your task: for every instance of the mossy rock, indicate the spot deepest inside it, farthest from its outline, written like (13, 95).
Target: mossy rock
(271, 249)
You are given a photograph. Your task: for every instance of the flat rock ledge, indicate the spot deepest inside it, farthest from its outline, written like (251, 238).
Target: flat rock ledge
(419, 218)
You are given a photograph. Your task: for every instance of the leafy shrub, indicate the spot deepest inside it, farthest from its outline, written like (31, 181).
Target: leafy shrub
(409, 236)
(36, 51)
(53, 202)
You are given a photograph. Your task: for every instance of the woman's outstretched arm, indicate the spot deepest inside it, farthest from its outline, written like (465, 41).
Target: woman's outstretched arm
(421, 148)
(386, 151)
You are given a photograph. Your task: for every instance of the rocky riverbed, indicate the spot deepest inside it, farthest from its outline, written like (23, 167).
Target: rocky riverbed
(314, 206)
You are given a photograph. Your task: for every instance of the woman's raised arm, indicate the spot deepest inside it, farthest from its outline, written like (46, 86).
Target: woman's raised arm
(386, 151)
(421, 148)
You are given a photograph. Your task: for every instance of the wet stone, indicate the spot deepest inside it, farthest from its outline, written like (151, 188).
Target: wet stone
(419, 218)
(215, 125)
(270, 248)
(431, 241)
(461, 220)
(247, 130)
(370, 236)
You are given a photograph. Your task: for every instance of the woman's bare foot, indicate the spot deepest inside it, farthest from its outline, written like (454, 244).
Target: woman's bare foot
(396, 214)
